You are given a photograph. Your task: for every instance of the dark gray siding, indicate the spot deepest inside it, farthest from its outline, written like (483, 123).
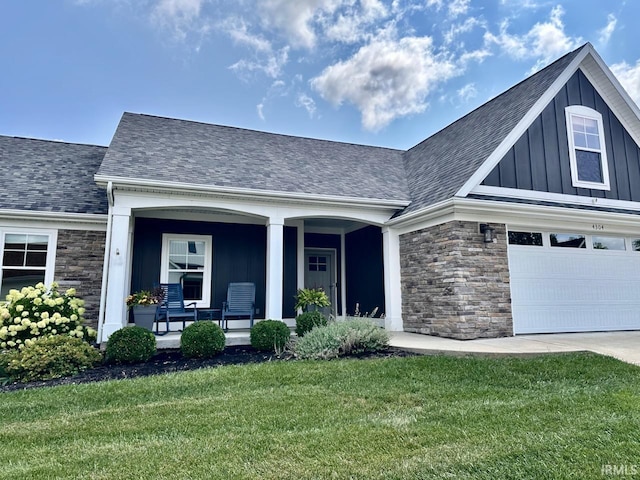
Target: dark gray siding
(239, 255)
(364, 270)
(540, 158)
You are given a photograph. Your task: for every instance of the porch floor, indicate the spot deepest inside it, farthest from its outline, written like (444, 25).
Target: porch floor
(172, 339)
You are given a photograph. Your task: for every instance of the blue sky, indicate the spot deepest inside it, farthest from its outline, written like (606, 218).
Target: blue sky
(374, 72)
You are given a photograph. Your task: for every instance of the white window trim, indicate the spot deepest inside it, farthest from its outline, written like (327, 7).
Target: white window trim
(52, 246)
(206, 276)
(590, 113)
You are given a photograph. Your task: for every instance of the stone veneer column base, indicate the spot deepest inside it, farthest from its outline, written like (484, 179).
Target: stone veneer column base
(79, 261)
(453, 284)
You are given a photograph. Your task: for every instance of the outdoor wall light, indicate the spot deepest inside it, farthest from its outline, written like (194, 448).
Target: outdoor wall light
(487, 231)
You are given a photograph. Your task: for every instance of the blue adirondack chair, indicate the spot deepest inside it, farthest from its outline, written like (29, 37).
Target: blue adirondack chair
(240, 304)
(172, 307)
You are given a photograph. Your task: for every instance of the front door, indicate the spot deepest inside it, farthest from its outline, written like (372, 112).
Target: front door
(320, 272)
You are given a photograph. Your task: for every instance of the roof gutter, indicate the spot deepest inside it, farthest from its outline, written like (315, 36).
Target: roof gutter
(91, 218)
(176, 187)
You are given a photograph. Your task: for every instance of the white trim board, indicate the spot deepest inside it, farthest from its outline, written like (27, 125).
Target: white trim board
(510, 213)
(555, 197)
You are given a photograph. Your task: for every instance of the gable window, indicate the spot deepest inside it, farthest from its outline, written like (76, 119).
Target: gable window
(186, 259)
(27, 259)
(587, 151)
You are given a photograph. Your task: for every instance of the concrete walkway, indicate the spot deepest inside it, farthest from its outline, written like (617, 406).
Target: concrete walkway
(624, 346)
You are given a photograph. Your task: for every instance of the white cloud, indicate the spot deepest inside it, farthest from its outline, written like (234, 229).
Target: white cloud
(455, 30)
(468, 92)
(350, 25)
(629, 77)
(386, 79)
(271, 65)
(238, 30)
(295, 17)
(179, 16)
(605, 34)
(545, 42)
(305, 101)
(260, 110)
(458, 7)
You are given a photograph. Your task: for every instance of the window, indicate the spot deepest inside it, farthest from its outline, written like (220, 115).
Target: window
(27, 259)
(568, 240)
(525, 238)
(186, 259)
(317, 264)
(608, 243)
(587, 152)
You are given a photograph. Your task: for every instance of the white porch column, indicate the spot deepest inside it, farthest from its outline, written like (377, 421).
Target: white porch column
(392, 286)
(118, 273)
(275, 262)
(343, 276)
(299, 224)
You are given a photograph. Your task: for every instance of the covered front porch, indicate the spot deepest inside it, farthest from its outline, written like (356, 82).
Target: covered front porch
(205, 244)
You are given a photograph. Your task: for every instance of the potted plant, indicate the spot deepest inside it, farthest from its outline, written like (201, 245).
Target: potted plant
(311, 298)
(144, 304)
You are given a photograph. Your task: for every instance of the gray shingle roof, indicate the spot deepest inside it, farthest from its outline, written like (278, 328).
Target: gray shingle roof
(49, 176)
(163, 149)
(440, 165)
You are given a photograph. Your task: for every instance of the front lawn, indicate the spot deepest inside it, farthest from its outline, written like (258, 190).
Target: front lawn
(560, 416)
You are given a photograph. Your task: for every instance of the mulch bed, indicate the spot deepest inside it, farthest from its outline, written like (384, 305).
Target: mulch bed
(166, 361)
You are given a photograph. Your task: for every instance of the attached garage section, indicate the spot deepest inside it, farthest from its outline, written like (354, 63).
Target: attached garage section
(574, 282)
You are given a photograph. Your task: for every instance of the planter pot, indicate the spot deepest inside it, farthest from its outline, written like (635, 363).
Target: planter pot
(144, 316)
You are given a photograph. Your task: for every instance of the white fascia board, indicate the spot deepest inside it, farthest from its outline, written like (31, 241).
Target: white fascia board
(141, 200)
(556, 197)
(435, 214)
(61, 220)
(613, 93)
(522, 126)
(264, 195)
(535, 216)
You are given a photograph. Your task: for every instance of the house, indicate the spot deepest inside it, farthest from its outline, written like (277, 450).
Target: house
(520, 217)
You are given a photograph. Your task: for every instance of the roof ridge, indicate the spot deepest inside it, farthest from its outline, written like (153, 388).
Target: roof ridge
(47, 140)
(262, 132)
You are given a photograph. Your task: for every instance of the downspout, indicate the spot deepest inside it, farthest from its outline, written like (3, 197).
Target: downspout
(105, 266)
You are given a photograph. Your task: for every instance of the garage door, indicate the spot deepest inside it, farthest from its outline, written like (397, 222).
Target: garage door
(574, 282)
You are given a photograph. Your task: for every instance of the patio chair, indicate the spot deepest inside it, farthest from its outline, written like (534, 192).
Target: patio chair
(240, 303)
(172, 308)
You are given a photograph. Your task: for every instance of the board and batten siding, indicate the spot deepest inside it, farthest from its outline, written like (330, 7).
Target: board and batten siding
(539, 160)
(239, 255)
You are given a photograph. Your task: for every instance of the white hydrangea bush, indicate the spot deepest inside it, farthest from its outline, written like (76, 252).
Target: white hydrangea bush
(41, 311)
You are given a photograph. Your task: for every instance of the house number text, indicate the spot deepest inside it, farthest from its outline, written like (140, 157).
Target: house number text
(597, 226)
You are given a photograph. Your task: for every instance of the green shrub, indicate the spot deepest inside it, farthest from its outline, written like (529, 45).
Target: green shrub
(270, 335)
(35, 312)
(305, 322)
(202, 340)
(130, 345)
(50, 357)
(341, 339)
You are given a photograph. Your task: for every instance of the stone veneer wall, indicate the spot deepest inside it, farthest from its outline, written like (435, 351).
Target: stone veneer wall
(453, 284)
(79, 261)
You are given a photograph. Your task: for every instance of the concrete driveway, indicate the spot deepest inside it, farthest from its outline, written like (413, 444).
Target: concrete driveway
(624, 346)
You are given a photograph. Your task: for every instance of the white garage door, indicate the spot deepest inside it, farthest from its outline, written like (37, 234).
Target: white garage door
(572, 282)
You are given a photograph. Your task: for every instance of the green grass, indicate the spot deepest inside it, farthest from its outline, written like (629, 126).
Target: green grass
(562, 416)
